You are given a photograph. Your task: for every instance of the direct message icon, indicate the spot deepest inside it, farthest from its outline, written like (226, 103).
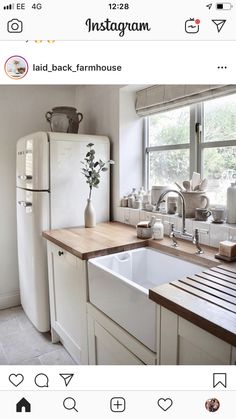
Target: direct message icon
(165, 404)
(67, 378)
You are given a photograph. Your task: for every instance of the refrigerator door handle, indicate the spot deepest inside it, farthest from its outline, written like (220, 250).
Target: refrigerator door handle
(25, 177)
(25, 204)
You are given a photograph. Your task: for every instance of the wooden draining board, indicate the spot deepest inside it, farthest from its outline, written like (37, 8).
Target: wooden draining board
(207, 299)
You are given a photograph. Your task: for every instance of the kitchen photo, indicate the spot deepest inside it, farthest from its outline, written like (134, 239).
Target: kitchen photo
(118, 225)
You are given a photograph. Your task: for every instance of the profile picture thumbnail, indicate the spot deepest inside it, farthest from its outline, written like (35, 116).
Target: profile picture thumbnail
(16, 67)
(212, 405)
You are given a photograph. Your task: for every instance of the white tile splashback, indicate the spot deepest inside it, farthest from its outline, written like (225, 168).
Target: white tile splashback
(204, 231)
(210, 234)
(218, 233)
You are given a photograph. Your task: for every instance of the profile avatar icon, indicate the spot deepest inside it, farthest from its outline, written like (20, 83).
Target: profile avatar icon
(16, 67)
(212, 405)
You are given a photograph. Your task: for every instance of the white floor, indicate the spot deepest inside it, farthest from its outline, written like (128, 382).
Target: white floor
(21, 343)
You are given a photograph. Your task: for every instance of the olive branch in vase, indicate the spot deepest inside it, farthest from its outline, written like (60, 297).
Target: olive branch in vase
(92, 168)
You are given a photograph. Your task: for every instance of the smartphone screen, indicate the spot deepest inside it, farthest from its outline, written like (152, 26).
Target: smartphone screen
(117, 215)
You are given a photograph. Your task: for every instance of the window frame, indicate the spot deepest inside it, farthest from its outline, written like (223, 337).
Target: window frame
(196, 143)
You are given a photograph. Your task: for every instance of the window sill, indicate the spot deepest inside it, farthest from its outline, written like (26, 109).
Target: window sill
(210, 233)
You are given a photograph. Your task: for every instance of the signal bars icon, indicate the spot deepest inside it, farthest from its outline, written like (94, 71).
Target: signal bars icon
(9, 6)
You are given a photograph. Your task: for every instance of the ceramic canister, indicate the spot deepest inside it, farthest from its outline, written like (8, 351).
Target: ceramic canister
(64, 119)
(193, 200)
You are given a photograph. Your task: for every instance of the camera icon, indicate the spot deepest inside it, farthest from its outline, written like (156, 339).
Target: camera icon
(15, 26)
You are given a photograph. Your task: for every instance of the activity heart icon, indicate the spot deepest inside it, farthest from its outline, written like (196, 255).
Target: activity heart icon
(16, 379)
(165, 404)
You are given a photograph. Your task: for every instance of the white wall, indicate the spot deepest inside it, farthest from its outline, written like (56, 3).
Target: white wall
(22, 110)
(110, 110)
(130, 143)
(100, 107)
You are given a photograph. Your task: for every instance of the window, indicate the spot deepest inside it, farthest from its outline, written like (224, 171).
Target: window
(169, 146)
(200, 138)
(218, 146)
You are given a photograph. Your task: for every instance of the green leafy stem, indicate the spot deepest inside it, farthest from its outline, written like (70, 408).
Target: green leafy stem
(92, 169)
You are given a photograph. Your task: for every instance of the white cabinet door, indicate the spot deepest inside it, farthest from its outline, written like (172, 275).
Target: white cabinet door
(109, 351)
(68, 296)
(183, 343)
(109, 344)
(233, 356)
(196, 346)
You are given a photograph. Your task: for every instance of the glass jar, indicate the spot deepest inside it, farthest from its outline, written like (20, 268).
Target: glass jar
(158, 230)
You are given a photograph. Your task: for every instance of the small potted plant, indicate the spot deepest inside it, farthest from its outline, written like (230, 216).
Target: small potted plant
(92, 170)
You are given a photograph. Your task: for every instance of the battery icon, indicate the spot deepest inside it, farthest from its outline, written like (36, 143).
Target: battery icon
(224, 6)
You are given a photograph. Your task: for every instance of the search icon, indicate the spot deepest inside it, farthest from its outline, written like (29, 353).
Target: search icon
(70, 404)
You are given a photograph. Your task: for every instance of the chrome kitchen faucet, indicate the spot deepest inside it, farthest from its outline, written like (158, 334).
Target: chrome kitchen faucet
(174, 234)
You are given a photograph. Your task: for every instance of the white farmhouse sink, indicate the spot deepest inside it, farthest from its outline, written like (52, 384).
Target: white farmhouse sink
(119, 284)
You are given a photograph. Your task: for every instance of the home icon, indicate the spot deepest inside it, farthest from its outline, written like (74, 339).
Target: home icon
(23, 406)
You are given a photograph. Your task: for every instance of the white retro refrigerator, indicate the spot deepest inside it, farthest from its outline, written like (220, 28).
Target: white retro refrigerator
(51, 193)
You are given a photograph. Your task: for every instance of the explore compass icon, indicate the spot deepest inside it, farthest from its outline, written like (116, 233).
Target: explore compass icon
(219, 23)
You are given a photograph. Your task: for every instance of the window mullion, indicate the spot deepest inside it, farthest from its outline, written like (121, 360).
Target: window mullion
(193, 148)
(145, 172)
(199, 145)
(168, 147)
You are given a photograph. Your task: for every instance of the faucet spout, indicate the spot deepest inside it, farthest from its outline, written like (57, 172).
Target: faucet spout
(182, 202)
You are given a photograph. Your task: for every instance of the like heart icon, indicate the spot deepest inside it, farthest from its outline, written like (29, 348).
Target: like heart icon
(16, 379)
(165, 404)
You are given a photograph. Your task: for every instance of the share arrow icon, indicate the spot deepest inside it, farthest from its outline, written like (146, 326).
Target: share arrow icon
(219, 23)
(67, 378)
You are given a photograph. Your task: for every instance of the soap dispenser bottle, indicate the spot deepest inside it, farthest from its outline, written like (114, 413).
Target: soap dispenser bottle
(231, 204)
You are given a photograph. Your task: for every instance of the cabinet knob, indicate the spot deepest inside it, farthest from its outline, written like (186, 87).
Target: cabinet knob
(60, 253)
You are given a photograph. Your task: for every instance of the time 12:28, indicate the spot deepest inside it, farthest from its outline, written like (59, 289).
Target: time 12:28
(118, 6)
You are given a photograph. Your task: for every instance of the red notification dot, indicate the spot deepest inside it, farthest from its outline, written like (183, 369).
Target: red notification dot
(197, 21)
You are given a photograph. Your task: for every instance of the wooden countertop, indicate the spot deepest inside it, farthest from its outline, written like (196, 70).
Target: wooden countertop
(111, 237)
(103, 239)
(207, 299)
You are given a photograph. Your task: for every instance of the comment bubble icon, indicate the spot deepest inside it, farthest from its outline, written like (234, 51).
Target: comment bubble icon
(41, 380)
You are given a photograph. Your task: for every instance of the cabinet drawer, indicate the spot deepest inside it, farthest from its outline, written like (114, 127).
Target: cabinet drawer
(64, 256)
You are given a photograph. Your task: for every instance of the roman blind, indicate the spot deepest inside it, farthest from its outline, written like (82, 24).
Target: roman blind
(160, 98)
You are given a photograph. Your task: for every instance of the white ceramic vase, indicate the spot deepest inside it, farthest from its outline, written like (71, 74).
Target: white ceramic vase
(89, 214)
(231, 204)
